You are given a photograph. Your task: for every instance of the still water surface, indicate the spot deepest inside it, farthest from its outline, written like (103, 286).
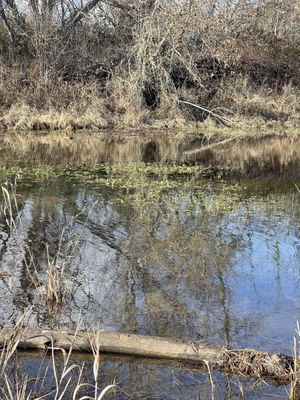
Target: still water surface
(209, 260)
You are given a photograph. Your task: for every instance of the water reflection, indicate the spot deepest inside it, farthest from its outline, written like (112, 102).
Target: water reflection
(246, 155)
(174, 267)
(148, 379)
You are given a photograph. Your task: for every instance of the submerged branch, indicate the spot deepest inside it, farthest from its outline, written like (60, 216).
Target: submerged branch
(246, 362)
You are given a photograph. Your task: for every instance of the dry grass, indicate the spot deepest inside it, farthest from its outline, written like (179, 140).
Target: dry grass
(21, 116)
(60, 377)
(258, 364)
(67, 376)
(55, 289)
(54, 286)
(259, 105)
(151, 55)
(10, 208)
(30, 102)
(294, 392)
(82, 106)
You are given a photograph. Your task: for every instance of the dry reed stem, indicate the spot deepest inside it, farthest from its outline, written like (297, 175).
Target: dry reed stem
(68, 379)
(212, 385)
(294, 391)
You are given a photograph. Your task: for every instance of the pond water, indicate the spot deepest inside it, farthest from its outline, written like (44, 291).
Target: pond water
(157, 251)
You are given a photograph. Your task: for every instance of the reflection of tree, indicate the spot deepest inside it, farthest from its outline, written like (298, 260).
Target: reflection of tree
(163, 265)
(180, 264)
(41, 220)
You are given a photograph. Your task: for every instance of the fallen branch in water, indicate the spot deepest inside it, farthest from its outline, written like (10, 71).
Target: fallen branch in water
(245, 362)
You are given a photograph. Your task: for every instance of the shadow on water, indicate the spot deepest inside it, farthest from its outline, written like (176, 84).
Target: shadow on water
(151, 152)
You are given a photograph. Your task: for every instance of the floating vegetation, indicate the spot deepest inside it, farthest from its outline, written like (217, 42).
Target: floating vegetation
(137, 183)
(141, 184)
(112, 175)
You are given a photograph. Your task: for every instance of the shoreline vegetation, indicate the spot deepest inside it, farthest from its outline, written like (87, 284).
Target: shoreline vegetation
(103, 65)
(69, 355)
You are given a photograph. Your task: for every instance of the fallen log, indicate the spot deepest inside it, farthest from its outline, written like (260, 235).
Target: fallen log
(247, 362)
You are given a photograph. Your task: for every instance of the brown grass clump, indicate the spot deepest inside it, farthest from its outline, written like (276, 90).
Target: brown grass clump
(295, 370)
(260, 104)
(50, 103)
(54, 287)
(251, 362)
(24, 117)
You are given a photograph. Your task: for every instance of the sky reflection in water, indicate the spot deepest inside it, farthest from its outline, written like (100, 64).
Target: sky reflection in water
(226, 271)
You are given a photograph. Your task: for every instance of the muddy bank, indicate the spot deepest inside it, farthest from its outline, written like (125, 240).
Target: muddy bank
(240, 155)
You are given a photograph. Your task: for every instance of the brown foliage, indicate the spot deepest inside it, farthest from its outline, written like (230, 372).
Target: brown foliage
(136, 60)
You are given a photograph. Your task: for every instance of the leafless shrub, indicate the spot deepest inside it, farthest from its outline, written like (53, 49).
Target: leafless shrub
(121, 63)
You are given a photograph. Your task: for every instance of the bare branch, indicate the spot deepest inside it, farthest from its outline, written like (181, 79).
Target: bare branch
(78, 15)
(6, 22)
(15, 12)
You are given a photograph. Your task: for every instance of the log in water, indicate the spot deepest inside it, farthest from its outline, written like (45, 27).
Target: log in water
(240, 361)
